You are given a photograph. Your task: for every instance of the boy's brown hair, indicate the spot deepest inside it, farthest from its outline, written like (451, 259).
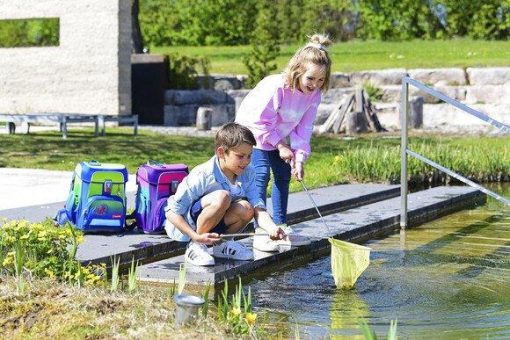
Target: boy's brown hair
(232, 135)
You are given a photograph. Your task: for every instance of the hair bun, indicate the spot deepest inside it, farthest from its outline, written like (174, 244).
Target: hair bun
(320, 39)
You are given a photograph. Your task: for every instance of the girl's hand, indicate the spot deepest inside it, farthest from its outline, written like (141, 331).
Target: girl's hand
(285, 152)
(298, 171)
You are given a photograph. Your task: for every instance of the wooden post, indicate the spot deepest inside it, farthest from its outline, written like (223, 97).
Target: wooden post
(204, 118)
(416, 112)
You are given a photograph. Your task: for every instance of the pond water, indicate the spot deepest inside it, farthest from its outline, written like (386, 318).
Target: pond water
(447, 279)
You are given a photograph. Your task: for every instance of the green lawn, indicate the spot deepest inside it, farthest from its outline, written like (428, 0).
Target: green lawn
(369, 55)
(368, 158)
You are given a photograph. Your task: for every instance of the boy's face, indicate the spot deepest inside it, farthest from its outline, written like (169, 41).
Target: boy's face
(235, 160)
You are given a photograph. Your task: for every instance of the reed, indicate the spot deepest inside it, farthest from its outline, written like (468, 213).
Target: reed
(114, 286)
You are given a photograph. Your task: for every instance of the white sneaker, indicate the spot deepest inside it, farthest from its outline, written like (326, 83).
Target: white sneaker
(264, 242)
(233, 250)
(197, 254)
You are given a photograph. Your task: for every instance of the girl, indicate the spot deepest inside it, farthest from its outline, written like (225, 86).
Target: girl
(280, 112)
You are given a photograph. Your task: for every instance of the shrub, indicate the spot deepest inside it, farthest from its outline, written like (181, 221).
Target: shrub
(183, 71)
(47, 252)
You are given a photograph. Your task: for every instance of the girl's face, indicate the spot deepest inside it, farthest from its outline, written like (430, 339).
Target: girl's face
(312, 79)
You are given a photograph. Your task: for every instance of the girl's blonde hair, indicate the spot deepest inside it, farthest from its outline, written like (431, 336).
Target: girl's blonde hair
(314, 52)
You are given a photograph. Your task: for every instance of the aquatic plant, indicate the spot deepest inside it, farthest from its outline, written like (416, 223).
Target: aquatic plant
(237, 312)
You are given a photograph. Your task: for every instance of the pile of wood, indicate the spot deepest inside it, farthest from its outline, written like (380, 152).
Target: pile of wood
(354, 114)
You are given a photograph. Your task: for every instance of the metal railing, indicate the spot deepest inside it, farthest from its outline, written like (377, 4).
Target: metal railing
(404, 107)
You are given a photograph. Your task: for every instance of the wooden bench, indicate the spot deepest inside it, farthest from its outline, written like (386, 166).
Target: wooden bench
(63, 119)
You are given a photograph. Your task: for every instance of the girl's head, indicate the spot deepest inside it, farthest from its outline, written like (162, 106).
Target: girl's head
(310, 67)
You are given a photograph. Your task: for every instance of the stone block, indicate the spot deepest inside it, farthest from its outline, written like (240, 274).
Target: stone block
(488, 94)
(489, 75)
(222, 114)
(333, 96)
(443, 76)
(339, 80)
(171, 115)
(236, 97)
(378, 78)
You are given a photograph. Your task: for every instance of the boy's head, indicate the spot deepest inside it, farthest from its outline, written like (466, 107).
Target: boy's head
(232, 135)
(234, 145)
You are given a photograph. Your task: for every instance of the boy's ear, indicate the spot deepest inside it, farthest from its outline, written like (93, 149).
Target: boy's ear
(220, 151)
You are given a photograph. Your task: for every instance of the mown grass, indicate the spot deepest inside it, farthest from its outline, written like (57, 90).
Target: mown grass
(368, 55)
(368, 158)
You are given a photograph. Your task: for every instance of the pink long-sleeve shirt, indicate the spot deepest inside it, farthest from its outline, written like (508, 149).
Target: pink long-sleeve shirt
(273, 112)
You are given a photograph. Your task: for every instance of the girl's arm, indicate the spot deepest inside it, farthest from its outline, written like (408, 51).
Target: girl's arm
(300, 136)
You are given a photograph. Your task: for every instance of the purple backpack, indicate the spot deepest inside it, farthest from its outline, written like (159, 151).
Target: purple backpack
(156, 182)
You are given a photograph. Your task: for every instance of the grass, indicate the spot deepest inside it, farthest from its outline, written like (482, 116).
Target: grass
(368, 158)
(368, 55)
(49, 309)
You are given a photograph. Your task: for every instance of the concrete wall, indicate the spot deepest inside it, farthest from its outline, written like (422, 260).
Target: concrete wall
(90, 70)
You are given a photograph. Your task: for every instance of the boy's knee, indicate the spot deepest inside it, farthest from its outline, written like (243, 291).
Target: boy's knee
(223, 199)
(247, 211)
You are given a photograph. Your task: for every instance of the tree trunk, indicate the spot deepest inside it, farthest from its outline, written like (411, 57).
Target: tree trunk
(136, 32)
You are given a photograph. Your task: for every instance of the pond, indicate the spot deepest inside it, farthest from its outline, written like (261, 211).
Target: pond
(447, 279)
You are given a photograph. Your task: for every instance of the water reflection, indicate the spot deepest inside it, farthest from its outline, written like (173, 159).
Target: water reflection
(446, 279)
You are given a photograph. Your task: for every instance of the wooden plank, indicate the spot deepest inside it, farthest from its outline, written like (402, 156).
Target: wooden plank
(331, 119)
(341, 116)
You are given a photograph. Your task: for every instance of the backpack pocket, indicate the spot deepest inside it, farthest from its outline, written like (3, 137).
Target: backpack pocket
(103, 214)
(157, 217)
(142, 210)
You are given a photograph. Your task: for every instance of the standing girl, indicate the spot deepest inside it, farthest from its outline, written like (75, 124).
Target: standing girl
(280, 112)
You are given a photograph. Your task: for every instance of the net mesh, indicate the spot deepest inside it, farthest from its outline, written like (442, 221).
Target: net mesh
(348, 261)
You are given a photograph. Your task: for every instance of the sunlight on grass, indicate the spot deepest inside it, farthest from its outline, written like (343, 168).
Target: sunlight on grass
(368, 55)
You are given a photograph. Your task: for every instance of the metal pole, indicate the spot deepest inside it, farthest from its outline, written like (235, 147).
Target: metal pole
(403, 152)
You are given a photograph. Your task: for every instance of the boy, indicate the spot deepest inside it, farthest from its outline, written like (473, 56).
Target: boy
(219, 197)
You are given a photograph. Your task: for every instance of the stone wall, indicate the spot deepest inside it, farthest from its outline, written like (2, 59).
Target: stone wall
(485, 89)
(90, 70)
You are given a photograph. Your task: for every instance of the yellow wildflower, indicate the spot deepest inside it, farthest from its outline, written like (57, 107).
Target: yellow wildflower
(337, 159)
(250, 318)
(49, 272)
(235, 311)
(7, 261)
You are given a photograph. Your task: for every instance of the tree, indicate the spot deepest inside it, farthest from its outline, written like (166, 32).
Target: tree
(136, 32)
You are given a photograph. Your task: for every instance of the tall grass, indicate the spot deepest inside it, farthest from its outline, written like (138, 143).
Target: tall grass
(382, 163)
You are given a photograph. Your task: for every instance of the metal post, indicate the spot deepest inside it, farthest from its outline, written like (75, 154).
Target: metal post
(403, 152)
(64, 126)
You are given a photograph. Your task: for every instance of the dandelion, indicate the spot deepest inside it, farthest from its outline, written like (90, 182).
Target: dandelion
(338, 159)
(250, 318)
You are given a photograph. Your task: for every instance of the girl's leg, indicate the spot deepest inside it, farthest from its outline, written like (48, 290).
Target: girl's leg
(238, 216)
(260, 162)
(280, 189)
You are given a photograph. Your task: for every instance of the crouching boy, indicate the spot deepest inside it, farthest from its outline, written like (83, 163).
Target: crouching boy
(219, 197)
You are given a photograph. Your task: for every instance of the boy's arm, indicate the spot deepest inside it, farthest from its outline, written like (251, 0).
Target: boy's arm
(180, 223)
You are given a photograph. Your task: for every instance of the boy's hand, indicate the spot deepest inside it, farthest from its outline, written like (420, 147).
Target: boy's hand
(207, 238)
(298, 170)
(285, 152)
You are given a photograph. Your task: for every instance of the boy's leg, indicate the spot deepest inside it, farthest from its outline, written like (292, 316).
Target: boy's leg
(238, 216)
(280, 189)
(261, 164)
(213, 208)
